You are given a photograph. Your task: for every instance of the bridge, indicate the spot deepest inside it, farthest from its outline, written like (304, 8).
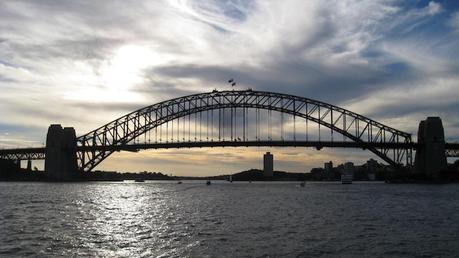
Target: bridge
(239, 118)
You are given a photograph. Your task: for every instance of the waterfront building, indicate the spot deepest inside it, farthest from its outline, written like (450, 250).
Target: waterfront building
(347, 174)
(348, 168)
(328, 167)
(371, 169)
(371, 176)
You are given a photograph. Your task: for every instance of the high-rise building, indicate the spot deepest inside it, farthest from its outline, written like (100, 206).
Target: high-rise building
(328, 166)
(371, 168)
(347, 174)
(268, 165)
(348, 168)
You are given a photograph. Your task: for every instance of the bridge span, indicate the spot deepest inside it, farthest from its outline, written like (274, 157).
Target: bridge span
(239, 119)
(38, 153)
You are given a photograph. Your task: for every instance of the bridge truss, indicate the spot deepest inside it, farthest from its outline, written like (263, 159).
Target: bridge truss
(242, 118)
(452, 152)
(23, 154)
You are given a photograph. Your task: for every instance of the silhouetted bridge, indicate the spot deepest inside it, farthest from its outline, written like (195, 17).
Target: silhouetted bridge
(451, 149)
(234, 119)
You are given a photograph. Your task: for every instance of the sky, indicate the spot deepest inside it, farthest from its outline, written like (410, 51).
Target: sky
(85, 63)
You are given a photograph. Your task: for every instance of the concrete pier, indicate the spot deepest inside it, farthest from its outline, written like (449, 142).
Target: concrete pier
(430, 157)
(60, 161)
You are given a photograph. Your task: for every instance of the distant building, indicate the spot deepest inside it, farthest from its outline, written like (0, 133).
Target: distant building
(371, 167)
(328, 167)
(348, 168)
(268, 164)
(347, 174)
(371, 176)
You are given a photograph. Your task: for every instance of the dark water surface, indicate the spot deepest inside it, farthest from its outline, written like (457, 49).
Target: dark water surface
(165, 219)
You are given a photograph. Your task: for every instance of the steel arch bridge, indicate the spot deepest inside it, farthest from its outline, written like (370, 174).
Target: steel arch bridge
(230, 115)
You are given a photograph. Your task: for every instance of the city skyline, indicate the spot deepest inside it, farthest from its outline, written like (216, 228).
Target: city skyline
(85, 64)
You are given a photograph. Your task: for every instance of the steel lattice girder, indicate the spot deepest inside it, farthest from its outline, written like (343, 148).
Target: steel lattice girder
(235, 143)
(354, 126)
(23, 154)
(452, 153)
(452, 150)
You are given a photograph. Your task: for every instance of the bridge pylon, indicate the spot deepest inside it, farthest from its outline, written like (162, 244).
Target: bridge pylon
(430, 156)
(60, 159)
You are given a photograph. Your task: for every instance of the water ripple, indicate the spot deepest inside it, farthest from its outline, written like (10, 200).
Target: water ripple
(158, 219)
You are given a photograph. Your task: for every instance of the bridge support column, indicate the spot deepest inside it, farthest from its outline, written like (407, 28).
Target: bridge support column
(29, 165)
(60, 160)
(430, 156)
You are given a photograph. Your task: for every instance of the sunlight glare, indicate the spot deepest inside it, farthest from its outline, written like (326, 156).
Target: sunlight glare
(117, 77)
(124, 69)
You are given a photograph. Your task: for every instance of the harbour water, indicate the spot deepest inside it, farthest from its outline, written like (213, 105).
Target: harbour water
(240, 219)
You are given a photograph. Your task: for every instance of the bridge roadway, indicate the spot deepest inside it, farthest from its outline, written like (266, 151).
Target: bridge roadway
(452, 149)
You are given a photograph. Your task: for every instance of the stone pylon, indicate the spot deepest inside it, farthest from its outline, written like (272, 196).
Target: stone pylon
(60, 160)
(430, 156)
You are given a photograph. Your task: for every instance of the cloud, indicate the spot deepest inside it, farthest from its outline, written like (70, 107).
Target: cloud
(84, 63)
(454, 21)
(434, 8)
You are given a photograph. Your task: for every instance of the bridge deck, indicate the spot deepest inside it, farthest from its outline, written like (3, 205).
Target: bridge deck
(211, 144)
(452, 149)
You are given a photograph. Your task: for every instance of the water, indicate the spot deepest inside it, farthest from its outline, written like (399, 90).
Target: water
(165, 219)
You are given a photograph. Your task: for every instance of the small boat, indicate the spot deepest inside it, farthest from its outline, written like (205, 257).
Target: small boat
(179, 182)
(346, 179)
(208, 182)
(302, 184)
(139, 180)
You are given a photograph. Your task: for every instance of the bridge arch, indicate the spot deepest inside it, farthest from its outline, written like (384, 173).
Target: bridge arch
(357, 128)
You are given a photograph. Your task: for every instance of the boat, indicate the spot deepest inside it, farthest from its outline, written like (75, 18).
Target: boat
(139, 180)
(346, 179)
(302, 184)
(179, 182)
(208, 182)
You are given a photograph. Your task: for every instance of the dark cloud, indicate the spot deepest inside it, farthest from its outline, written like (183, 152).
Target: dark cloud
(297, 77)
(5, 79)
(122, 108)
(401, 109)
(90, 50)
